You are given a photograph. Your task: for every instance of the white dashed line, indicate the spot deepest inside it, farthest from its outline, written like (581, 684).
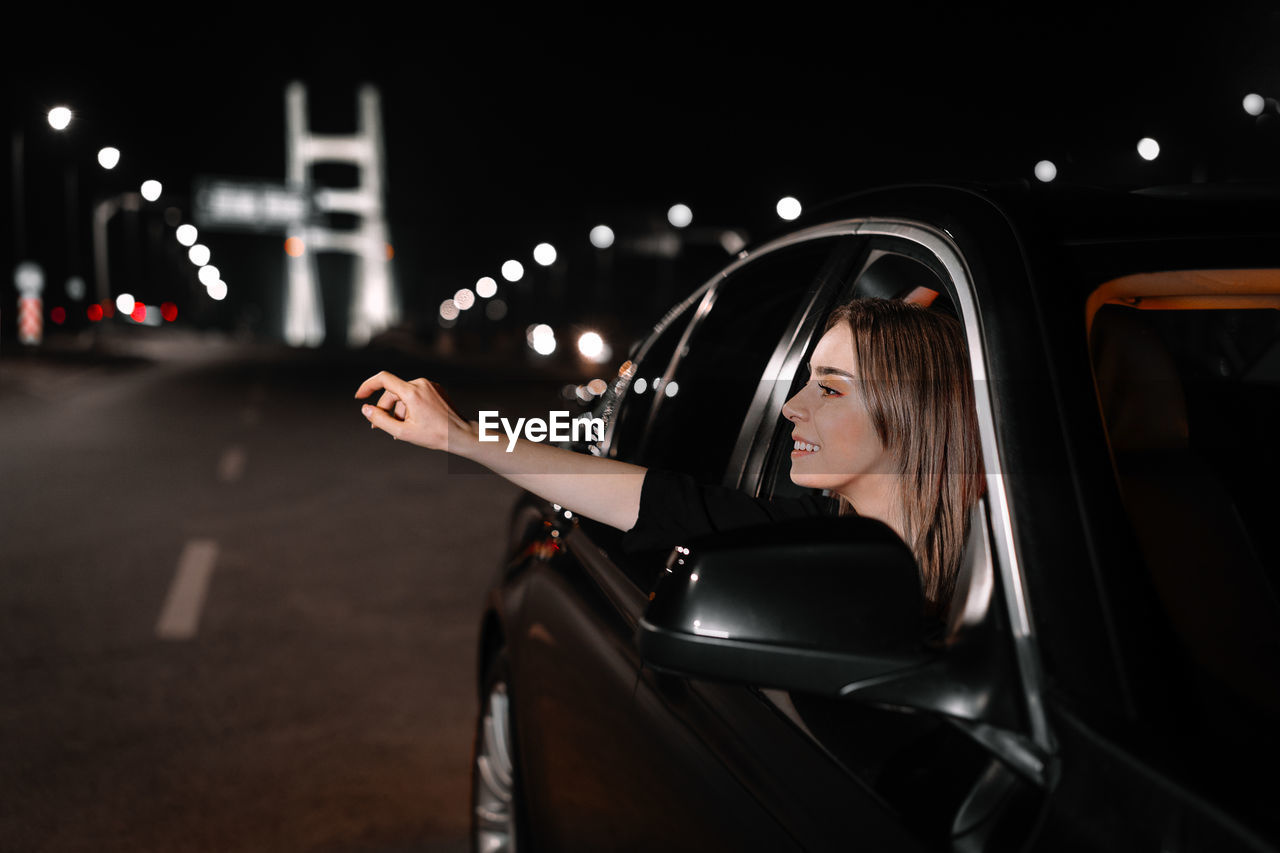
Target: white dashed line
(181, 612)
(231, 465)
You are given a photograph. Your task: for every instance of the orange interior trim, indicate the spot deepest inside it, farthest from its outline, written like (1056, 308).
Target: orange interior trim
(1187, 290)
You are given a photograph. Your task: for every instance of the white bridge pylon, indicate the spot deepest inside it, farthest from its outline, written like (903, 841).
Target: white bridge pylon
(374, 305)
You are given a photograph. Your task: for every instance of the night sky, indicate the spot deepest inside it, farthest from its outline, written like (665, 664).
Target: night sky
(504, 131)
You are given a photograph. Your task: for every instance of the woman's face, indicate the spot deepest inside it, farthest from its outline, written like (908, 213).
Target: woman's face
(836, 444)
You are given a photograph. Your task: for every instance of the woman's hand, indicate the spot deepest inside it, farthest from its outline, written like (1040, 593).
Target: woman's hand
(413, 411)
(607, 490)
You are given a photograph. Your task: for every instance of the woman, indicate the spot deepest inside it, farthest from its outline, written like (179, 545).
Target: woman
(886, 422)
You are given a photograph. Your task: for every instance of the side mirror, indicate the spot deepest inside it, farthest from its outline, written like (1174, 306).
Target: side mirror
(817, 605)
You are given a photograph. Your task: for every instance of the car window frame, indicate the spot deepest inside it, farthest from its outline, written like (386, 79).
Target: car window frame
(946, 256)
(935, 243)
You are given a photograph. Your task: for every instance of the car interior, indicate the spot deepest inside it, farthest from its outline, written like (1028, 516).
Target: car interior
(1187, 372)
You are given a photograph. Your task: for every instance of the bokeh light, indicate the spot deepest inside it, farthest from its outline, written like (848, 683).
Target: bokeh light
(199, 254)
(601, 236)
(187, 235)
(94, 313)
(58, 315)
(464, 299)
(217, 291)
(139, 312)
(125, 303)
(542, 338)
(486, 287)
(1148, 148)
(788, 208)
(169, 311)
(1254, 104)
(59, 118)
(544, 254)
(109, 158)
(448, 310)
(640, 385)
(496, 309)
(208, 275)
(513, 270)
(293, 247)
(680, 215)
(1046, 171)
(590, 344)
(151, 190)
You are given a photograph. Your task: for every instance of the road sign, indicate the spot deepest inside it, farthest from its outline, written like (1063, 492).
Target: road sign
(249, 205)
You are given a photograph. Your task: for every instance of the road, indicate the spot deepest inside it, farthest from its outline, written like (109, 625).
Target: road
(233, 617)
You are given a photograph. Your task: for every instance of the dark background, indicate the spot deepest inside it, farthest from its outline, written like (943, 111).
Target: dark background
(507, 129)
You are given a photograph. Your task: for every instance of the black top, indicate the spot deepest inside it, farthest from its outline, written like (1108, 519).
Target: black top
(675, 508)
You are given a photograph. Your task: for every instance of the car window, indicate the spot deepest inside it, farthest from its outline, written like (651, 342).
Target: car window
(698, 410)
(650, 364)
(1187, 372)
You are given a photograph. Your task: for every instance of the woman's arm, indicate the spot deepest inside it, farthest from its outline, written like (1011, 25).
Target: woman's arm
(604, 489)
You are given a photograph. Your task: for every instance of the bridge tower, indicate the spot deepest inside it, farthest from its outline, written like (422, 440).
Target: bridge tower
(374, 303)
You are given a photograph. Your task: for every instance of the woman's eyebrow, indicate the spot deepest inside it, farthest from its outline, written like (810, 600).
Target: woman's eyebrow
(831, 371)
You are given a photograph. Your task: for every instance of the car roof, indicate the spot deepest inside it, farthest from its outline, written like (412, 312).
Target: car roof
(1068, 213)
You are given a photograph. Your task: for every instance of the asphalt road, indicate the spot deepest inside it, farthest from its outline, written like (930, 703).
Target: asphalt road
(233, 617)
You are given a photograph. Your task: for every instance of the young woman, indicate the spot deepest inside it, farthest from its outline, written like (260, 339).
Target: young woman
(886, 422)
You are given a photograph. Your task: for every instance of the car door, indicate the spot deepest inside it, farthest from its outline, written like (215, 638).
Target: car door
(875, 773)
(594, 769)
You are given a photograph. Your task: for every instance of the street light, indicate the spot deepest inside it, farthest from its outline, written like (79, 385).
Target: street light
(513, 270)
(59, 118)
(544, 254)
(151, 190)
(108, 157)
(680, 215)
(601, 236)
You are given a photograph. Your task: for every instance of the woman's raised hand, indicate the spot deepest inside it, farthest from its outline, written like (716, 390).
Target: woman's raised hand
(412, 411)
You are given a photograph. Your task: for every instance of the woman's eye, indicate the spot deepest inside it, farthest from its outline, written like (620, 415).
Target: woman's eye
(828, 391)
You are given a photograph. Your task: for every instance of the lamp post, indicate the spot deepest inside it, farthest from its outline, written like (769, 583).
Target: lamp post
(25, 270)
(103, 211)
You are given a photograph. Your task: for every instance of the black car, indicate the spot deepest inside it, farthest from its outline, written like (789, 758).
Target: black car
(1109, 674)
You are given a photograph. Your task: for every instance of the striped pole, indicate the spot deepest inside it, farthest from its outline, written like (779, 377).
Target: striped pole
(30, 281)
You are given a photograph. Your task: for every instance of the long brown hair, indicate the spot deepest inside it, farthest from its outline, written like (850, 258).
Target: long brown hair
(913, 367)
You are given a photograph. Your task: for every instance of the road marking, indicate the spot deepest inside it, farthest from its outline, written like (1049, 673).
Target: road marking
(181, 612)
(231, 465)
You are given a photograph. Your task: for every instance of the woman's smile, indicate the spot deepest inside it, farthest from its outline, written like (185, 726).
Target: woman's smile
(803, 448)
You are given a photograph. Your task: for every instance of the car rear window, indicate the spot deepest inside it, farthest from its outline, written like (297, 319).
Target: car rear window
(1187, 371)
